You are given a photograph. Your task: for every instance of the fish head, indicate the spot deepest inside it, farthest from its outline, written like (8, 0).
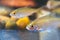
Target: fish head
(33, 26)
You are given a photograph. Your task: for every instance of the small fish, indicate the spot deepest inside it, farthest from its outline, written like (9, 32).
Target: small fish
(22, 12)
(52, 4)
(43, 24)
(4, 18)
(5, 11)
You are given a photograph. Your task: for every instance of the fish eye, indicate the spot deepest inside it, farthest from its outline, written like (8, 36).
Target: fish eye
(14, 13)
(32, 26)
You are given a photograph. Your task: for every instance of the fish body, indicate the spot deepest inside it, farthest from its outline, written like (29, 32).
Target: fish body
(22, 12)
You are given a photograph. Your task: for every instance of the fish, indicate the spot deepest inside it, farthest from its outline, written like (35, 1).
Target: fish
(7, 23)
(44, 24)
(22, 12)
(51, 4)
(54, 6)
(4, 18)
(5, 11)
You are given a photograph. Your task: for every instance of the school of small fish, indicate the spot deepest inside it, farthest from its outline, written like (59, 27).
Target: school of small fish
(20, 18)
